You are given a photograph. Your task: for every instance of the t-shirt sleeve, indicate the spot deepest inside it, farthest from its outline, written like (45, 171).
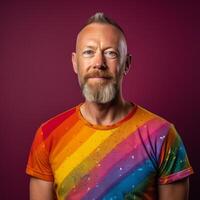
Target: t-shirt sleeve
(173, 164)
(38, 162)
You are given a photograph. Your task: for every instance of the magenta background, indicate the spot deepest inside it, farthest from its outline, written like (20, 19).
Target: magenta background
(37, 80)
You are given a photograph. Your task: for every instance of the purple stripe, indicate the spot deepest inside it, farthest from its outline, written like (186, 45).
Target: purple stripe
(121, 161)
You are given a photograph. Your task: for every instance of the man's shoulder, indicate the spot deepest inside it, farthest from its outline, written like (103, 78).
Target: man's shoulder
(157, 126)
(58, 119)
(149, 114)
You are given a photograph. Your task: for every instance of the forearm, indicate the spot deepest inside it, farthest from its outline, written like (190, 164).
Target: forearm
(178, 190)
(40, 189)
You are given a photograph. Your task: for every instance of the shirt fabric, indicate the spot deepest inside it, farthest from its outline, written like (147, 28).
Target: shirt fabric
(127, 160)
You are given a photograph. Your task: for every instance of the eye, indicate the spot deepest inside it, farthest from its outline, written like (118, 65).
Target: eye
(111, 54)
(88, 53)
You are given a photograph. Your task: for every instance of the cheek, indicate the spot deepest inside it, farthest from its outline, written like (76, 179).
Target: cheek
(84, 63)
(82, 71)
(114, 66)
(80, 78)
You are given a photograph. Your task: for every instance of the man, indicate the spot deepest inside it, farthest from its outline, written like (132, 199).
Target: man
(106, 148)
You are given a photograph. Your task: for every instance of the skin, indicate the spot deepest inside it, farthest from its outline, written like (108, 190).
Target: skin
(102, 47)
(40, 189)
(178, 190)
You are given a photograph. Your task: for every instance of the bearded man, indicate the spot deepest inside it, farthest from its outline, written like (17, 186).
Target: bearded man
(106, 148)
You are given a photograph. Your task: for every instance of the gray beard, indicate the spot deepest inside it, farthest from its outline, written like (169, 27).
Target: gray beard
(100, 94)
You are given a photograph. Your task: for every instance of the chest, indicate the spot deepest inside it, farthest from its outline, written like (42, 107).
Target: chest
(113, 165)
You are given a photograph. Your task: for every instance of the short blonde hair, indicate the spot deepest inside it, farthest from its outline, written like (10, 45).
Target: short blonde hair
(100, 17)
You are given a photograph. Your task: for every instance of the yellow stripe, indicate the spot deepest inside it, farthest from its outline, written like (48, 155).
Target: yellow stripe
(72, 144)
(81, 153)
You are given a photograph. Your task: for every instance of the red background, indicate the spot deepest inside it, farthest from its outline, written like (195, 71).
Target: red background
(37, 80)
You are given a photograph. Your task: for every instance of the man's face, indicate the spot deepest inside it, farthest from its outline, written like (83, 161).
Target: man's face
(99, 61)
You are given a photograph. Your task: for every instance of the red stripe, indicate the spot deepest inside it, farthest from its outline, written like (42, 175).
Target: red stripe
(53, 123)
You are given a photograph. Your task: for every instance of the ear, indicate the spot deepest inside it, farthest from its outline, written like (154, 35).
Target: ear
(127, 63)
(74, 62)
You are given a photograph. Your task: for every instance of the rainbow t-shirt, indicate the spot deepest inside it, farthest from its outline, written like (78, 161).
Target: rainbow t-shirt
(123, 161)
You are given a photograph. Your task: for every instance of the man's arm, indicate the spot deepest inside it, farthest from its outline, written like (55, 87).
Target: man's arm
(40, 189)
(178, 190)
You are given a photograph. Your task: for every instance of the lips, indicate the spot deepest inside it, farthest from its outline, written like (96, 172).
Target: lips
(98, 76)
(98, 79)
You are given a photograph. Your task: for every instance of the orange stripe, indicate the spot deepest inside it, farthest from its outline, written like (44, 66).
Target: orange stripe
(59, 133)
(167, 145)
(70, 143)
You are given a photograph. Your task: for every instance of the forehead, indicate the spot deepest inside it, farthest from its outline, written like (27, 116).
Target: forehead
(100, 33)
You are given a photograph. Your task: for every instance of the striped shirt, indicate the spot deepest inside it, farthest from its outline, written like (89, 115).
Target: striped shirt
(126, 160)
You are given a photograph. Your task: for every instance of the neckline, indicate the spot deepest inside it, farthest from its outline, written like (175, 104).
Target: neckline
(106, 127)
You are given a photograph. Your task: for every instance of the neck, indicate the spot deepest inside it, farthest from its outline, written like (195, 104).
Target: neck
(105, 114)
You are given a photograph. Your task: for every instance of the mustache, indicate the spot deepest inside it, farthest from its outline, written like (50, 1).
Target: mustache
(98, 74)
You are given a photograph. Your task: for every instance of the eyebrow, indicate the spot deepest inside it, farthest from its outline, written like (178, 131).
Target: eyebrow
(93, 47)
(89, 46)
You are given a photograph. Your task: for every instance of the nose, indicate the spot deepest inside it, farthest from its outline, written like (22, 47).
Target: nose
(99, 61)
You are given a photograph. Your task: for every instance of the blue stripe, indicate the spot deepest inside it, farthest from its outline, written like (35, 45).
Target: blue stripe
(131, 182)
